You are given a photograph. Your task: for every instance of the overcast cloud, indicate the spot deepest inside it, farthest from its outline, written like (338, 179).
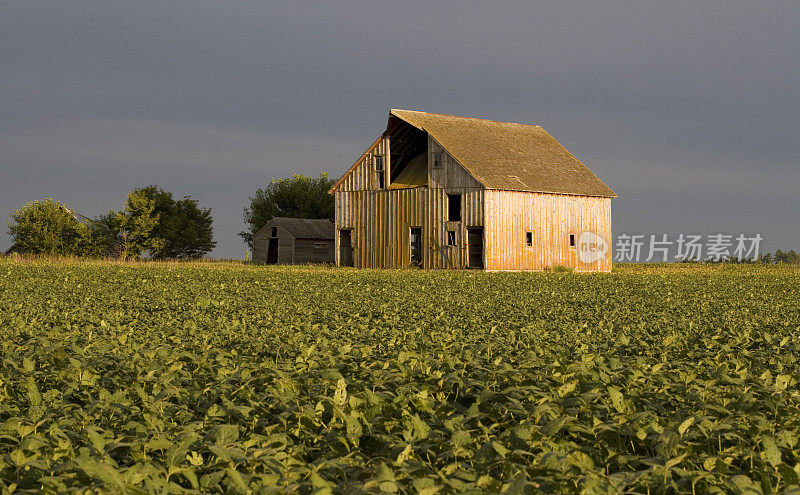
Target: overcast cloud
(690, 111)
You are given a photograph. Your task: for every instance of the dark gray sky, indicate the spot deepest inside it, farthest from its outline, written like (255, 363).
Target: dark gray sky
(690, 110)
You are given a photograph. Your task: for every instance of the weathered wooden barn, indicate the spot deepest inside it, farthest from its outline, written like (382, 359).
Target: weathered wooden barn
(285, 241)
(439, 191)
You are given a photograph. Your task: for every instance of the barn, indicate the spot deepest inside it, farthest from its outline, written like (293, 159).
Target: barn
(285, 241)
(440, 191)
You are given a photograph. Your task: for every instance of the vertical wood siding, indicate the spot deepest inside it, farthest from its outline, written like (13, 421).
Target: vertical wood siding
(363, 176)
(260, 240)
(381, 220)
(313, 251)
(551, 218)
(450, 178)
(285, 245)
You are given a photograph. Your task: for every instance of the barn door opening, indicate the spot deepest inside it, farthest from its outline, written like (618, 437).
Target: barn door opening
(345, 247)
(475, 247)
(272, 251)
(416, 246)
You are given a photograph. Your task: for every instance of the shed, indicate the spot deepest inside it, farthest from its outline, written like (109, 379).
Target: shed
(285, 241)
(441, 191)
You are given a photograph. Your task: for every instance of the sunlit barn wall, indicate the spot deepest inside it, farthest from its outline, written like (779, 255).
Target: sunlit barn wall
(551, 218)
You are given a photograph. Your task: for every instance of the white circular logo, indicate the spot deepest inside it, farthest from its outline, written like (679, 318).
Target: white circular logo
(591, 247)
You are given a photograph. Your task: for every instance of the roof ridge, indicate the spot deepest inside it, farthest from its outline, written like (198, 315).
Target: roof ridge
(300, 218)
(392, 110)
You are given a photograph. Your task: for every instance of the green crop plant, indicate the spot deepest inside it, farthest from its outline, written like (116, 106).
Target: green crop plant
(222, 377)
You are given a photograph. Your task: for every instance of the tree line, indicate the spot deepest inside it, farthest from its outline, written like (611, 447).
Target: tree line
(787, 257)
(152, 223)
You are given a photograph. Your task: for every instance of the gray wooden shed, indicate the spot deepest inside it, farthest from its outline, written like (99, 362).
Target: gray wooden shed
(285, 241)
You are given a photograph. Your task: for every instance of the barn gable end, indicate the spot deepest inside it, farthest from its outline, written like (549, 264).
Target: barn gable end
(439, 191)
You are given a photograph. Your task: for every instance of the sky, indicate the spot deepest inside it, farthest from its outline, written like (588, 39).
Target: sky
(689, 110)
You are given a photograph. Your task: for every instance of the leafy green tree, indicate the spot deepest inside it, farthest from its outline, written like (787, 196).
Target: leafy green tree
(107, 239)
(186, 230)
(153, 222)
(298, 196)
(767, 259)
(789, 257)
(48, 227)
(138, 221)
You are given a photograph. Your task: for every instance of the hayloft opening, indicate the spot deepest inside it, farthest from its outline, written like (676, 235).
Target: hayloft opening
(408, 155)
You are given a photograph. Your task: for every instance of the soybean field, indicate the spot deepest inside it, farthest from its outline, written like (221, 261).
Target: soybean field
(233, 378)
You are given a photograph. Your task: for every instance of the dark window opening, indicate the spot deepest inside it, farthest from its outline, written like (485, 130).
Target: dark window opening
(416, 246)
(274, 232)
(437, 160)
(529, 238)
(454, 207)
(572, 240)
(451, 237)
(380, 171)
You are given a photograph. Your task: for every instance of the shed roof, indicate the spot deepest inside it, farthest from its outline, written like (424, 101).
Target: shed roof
(77, 216)
(504, 155)
(304, 228)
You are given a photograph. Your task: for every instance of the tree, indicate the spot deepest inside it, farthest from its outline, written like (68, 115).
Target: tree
(186, 230)
(48, 227)
(107, 237)
(790, 257)
(766, 259)
(137, 222)
(154, 223)
(298, 196)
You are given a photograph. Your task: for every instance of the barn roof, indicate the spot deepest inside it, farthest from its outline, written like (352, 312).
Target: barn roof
(304, 228)
(504, 155)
